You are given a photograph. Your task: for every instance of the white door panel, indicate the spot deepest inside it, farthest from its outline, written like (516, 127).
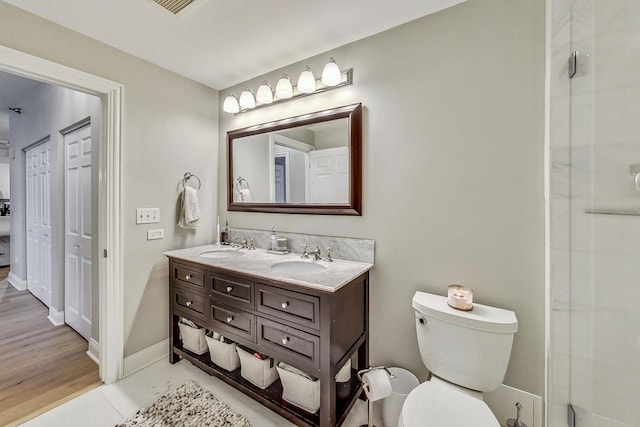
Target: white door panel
(78, 231)
(38, 214)
(329, 175)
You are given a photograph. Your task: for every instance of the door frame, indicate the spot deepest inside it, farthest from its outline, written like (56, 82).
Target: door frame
(110, 280)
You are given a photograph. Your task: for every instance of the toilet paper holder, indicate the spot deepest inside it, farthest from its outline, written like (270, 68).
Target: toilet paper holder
(365, 385)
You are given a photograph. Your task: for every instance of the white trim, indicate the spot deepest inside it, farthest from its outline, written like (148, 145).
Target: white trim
(94, 350)
(146, 357)
(547, 206)
(16, 282)
(56, 317)
(109, 229)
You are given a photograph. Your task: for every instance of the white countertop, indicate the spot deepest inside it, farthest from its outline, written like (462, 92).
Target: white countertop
(258, 263)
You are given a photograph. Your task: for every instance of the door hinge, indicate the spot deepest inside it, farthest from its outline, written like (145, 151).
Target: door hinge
(573, 64)
(104, 253)
(571, 415)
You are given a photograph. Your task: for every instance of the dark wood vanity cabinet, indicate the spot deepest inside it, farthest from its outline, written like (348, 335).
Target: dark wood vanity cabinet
(313, 330)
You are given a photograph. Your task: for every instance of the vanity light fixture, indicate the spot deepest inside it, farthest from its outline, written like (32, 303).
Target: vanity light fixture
(284, 88)
(231, 104)
(264, 94)
(331, 75)
(247, 100)
(306, 81)
(332, 78)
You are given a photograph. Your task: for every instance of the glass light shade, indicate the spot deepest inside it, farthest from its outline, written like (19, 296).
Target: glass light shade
(306, 81)
(230, 104)
(247, 100)
(264, 95)
(331, 74)
(283, 88)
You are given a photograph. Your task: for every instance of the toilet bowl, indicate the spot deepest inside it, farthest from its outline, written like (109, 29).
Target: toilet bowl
(467, 353)
(437, 403)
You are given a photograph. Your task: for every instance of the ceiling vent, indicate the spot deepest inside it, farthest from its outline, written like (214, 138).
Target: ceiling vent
(174, 6)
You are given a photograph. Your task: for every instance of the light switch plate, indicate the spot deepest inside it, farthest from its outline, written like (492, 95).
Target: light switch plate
(155, 234)
(147, 215)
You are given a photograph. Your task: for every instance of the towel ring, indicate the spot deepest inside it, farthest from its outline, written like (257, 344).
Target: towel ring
(187, 177)
(241, 184)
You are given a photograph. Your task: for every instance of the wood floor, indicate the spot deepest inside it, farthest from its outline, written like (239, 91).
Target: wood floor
(40, 364)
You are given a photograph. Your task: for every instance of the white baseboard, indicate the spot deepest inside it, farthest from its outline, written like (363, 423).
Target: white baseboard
(16, 282)
(146, 357)
(56, 317)
(502, 402)
(94, 350)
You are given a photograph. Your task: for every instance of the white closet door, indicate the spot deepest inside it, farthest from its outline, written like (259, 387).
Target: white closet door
(329, 175)
(78, 231)
(38, 192)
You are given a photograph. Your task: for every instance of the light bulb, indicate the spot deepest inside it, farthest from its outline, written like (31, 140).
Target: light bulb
(306, 81)
(283, 88)
(331, 75)
(230, 104)
(247, 100)
(264, 94)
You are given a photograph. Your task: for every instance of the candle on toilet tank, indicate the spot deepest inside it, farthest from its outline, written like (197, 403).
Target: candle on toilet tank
(460, 297)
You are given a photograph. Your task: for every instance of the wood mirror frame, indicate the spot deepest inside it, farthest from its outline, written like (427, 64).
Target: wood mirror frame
(353, 207)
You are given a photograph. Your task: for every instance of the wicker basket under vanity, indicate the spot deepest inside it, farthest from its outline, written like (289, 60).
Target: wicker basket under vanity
(193, 339)
(223, 354)
(259, 372)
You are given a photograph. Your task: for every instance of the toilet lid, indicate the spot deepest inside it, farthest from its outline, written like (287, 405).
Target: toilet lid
(438, 404)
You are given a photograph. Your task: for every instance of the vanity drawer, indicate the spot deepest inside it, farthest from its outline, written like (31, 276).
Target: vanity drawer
(291, 345)
(189, 277)
(232, 320)
(189, 304)
(231, 290)
(293, 306)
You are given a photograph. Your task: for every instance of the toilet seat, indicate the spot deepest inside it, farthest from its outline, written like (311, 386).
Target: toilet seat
(437, 403)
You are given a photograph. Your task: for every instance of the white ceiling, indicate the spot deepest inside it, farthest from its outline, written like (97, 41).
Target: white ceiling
(224, 42)
(12, 89)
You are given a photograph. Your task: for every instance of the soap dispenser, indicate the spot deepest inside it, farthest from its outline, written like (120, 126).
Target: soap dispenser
(273, 240)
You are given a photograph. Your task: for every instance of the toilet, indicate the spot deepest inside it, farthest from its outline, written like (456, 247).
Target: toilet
(467, 353)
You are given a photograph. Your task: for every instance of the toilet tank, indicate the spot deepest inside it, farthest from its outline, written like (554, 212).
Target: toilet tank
(467, 348)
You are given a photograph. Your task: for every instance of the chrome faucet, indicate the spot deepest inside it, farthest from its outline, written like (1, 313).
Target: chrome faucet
(317, 255)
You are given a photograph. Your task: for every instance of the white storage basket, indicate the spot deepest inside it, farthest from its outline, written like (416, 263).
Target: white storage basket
(193, 339)
(299, 389)
(261, 373)
(223, 354)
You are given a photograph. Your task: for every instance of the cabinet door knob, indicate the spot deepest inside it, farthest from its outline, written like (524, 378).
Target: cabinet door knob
(229, 319)
(285, 304)
(229, 288)
(187, 277)
(285, 340)
(189, 303)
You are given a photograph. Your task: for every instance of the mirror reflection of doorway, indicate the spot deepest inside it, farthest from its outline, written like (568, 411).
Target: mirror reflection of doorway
(280, 178)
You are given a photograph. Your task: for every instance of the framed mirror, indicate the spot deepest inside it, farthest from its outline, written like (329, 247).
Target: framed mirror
(310, 164)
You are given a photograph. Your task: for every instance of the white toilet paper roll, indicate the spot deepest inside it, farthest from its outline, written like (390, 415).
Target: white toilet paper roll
(378, 384)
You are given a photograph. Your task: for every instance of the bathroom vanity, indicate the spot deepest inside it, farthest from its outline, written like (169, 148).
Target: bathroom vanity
(313, 315)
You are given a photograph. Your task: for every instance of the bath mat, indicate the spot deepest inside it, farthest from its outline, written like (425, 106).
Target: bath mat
(187, 406)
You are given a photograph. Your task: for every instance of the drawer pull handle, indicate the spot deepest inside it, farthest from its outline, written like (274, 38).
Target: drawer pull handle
(285, 340)
(285, 304)
(189, 303)
(229, 288)
(187, 277)
(229, 319)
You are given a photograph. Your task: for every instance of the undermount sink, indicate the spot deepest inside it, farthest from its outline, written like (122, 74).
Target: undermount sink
(221, 253)
(297, 267)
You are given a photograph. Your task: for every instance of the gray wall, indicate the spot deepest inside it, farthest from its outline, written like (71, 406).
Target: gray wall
(169, 126)
(46, 110)
(453, 169)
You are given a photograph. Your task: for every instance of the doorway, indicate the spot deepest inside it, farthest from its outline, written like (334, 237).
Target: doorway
(108, 226)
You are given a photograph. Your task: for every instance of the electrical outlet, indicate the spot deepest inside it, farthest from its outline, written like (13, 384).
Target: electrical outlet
(147, 215)
(155, 234)
(502, 402)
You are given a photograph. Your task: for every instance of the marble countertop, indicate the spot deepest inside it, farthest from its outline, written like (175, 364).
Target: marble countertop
(258, 262)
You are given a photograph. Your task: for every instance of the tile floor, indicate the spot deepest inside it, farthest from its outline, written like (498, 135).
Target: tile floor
(111, 404)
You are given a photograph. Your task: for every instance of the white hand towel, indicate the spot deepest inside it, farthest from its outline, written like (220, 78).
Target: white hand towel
(189, 209)
(245, 195)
